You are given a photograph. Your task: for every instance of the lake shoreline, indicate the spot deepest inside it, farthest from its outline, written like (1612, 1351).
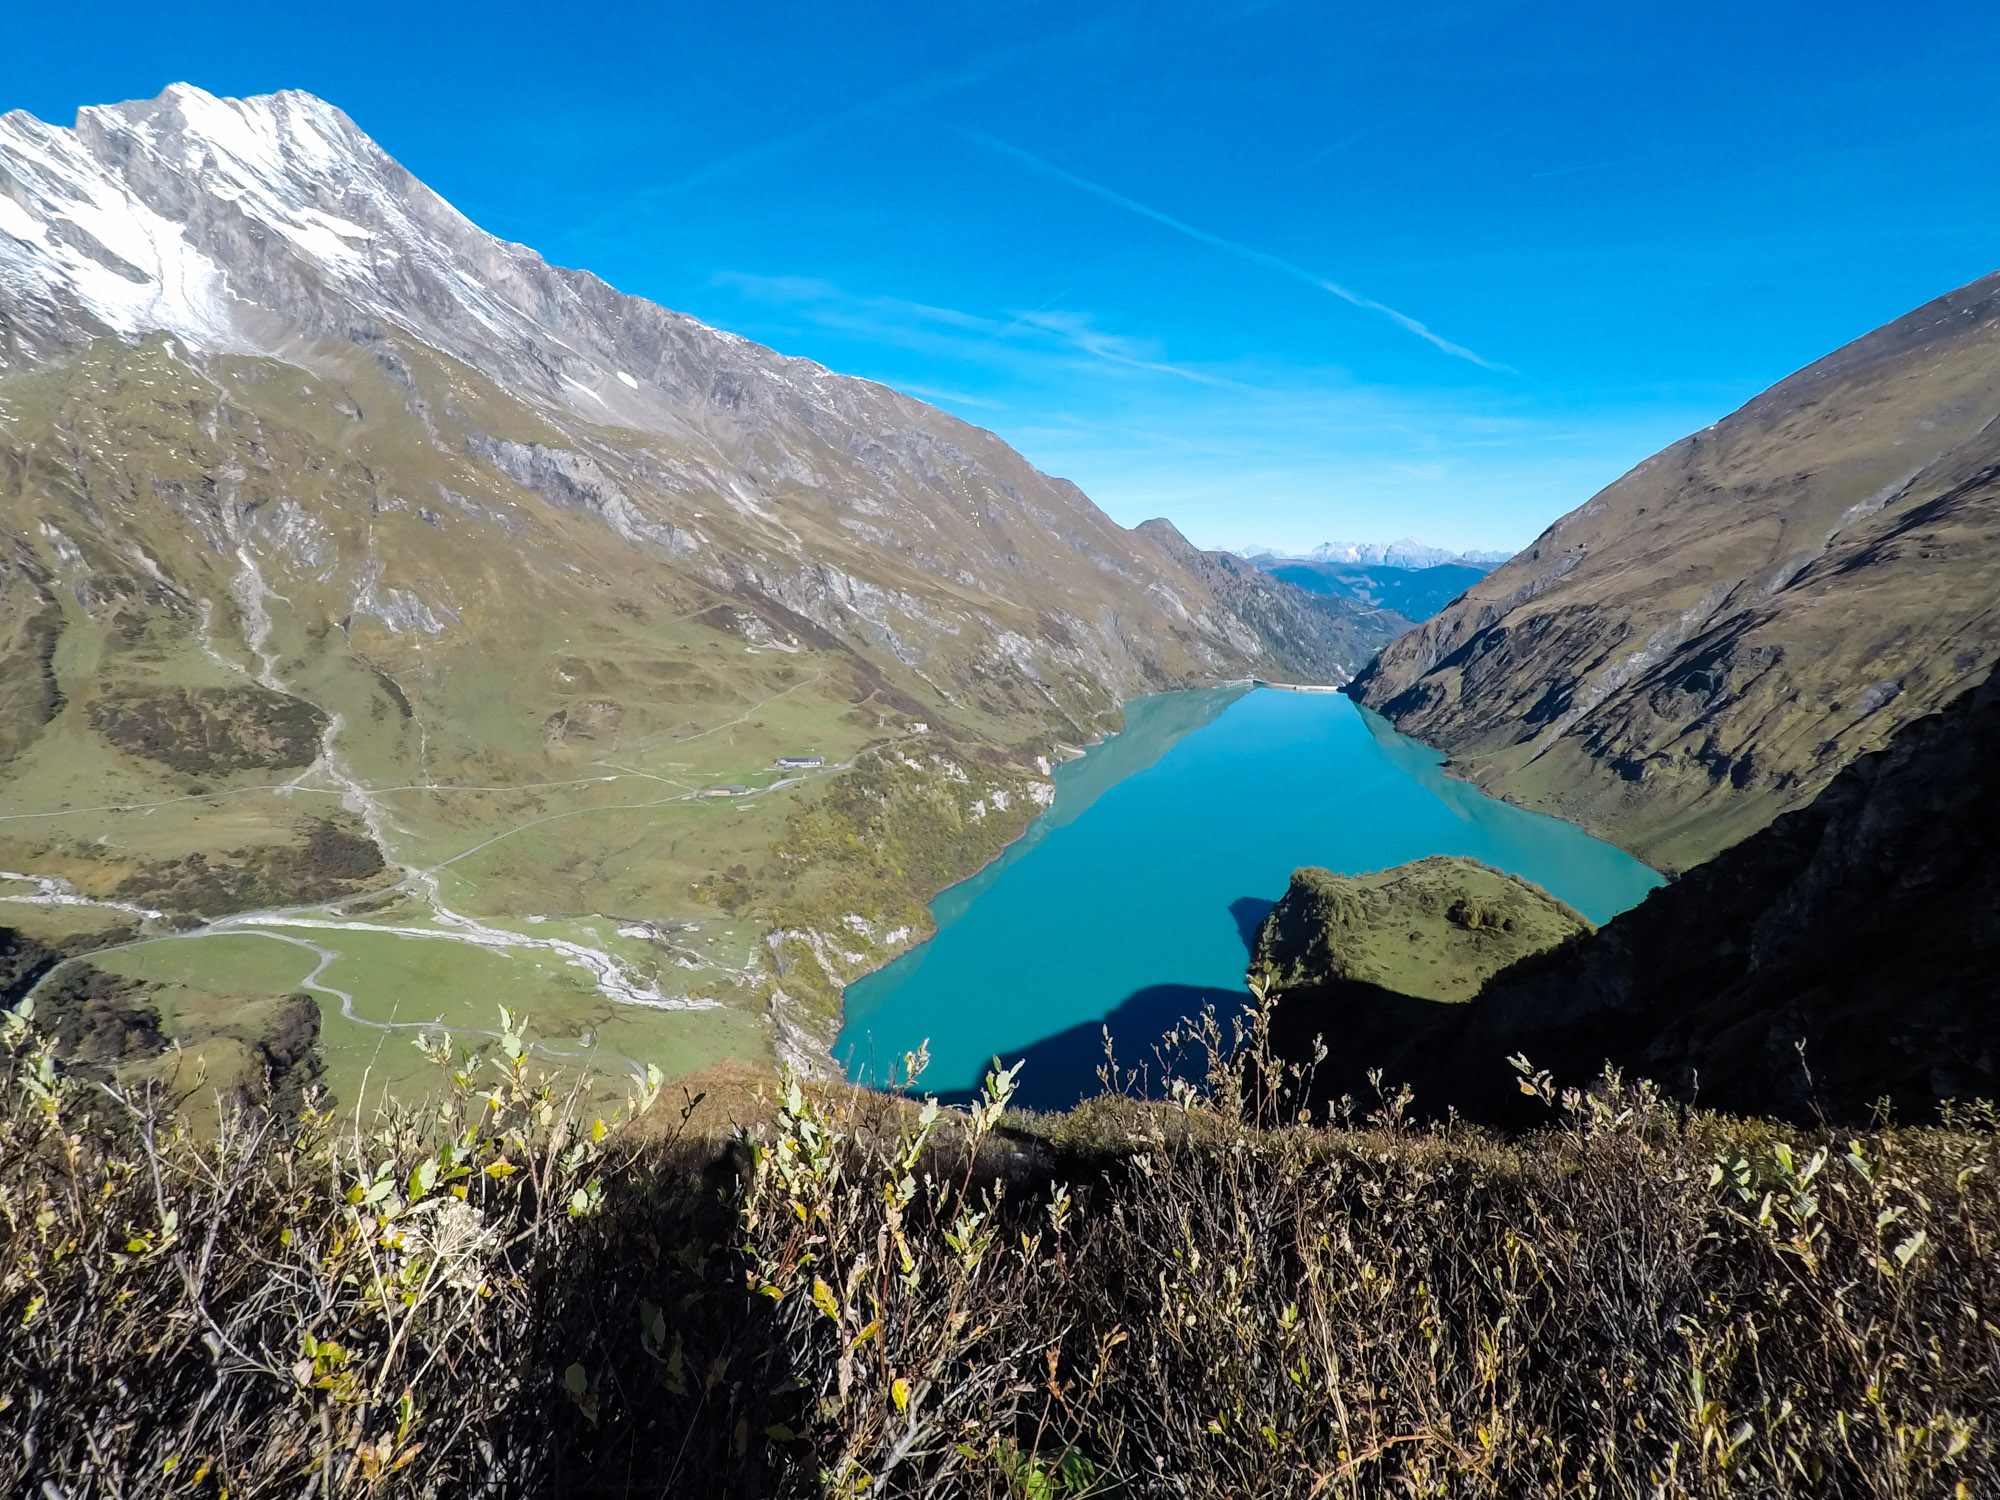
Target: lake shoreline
(1132, 898)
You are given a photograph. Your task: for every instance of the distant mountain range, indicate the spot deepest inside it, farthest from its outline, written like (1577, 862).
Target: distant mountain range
(1414, 593)
(1410, 577)
(1407, 553)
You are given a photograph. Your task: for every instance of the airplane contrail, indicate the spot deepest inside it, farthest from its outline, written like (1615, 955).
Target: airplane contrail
(1232, 247)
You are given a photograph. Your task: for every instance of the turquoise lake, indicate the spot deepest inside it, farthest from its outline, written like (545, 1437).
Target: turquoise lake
(1131, 900)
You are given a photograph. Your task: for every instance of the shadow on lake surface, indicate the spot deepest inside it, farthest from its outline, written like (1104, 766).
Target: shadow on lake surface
(1062, 1069)
(1249, 912)
(1359, 1023)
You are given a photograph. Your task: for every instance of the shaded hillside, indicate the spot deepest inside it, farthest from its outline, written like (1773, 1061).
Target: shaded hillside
(1705, 643)
(1845, 954)
(23, 961)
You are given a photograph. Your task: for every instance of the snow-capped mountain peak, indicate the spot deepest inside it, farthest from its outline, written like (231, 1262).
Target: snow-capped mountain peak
(79, 243)
(247, 223)
(190, 213)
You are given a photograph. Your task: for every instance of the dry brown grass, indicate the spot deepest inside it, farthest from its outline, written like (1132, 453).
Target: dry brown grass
(865, 1295)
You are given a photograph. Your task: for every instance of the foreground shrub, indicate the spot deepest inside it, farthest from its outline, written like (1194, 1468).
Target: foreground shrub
(866, 1294)
(284, 1304)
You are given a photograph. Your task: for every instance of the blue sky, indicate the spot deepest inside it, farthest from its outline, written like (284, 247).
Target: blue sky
(1283, 271)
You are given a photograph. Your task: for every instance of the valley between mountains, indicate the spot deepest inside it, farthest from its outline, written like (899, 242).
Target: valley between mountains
(392, 616)
(395, 628)
(405, 639)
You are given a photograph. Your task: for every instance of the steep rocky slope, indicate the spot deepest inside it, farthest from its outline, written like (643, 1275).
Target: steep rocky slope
(309, 487)
(1842, 955)
(273, 228)
(1705, 643)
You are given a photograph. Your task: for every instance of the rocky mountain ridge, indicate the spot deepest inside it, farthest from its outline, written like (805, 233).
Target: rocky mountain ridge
(1708, 641)
(409, 533)
(255, 227)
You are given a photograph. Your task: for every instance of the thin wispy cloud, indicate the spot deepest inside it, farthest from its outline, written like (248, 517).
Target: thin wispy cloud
(918, 91)
(921, 91)
(767, 155)
(972, 337)
(1320, 453)
(1597, 166)
(834, 306)
(1356, 138)
(1021, 318)
(954, 398)
(1233, 247)
(1076, 329)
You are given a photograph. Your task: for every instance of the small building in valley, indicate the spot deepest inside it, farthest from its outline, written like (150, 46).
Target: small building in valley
(726, 791)
(801, 762)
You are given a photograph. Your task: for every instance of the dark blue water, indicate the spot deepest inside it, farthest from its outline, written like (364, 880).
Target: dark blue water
(1130, 902)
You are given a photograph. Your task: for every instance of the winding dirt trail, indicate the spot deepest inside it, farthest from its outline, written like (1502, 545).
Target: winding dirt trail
(330, 956)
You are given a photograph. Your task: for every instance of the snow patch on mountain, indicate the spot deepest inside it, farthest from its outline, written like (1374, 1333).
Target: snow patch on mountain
(74, 240)
(224, 220)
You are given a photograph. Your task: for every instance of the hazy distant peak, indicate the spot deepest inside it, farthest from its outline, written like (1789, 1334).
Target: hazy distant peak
(1406, 553)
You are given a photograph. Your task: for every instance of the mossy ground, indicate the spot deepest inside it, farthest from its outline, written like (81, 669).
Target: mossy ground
(1435, 929)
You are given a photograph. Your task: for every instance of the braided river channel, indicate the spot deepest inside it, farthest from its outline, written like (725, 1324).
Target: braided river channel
(1131, 901)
